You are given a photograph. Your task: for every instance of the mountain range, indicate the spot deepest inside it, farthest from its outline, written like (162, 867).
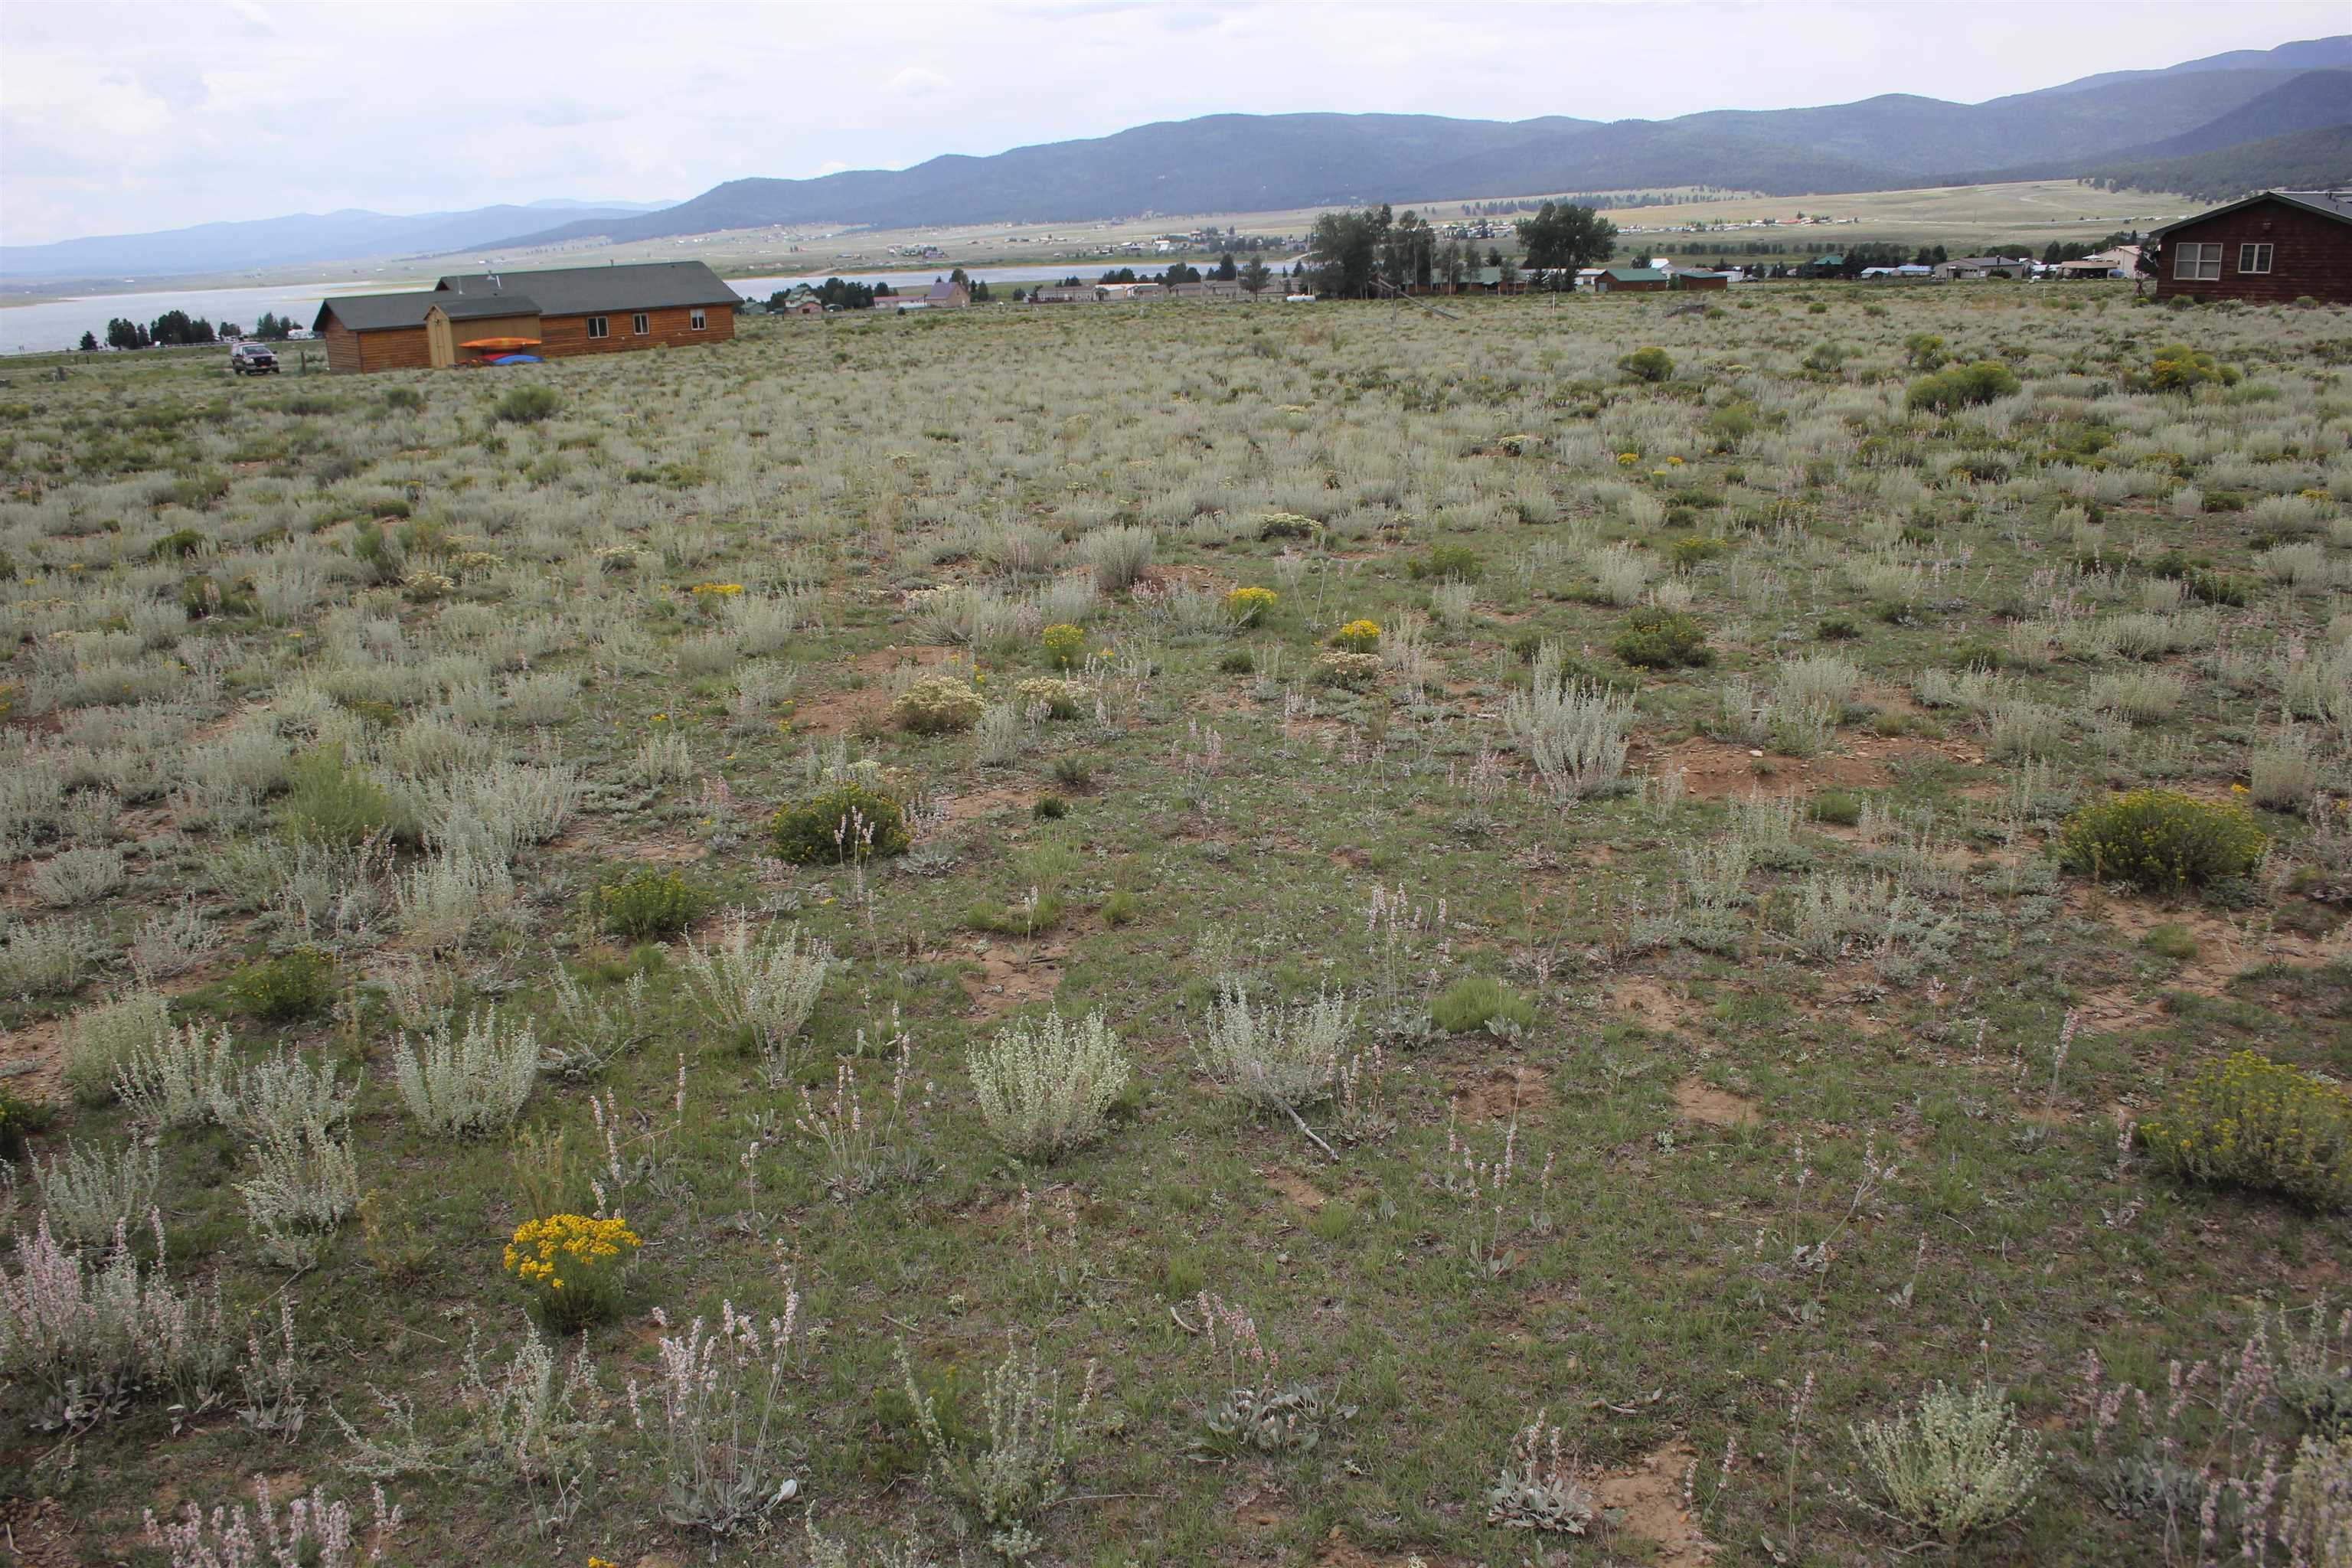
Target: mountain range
(2210, 128)
(297, 240)
(1237, 162)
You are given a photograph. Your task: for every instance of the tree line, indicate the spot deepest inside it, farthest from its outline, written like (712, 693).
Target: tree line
(177, 329)
(1355, 250)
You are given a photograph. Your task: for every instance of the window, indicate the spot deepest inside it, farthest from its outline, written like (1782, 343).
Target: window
(2253, 258)
(2196, 261)
(637, 324)
(598, 327)
(696, 322)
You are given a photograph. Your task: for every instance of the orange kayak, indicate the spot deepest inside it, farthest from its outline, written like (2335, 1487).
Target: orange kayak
(501, 345)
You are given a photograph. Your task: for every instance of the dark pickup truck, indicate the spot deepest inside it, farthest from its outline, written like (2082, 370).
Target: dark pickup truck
(252, 359)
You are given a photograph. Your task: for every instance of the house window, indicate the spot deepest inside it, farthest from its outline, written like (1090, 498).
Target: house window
(2253, 258)
(598, 327)
(2196, 261)
(639, 325)
(696, 322)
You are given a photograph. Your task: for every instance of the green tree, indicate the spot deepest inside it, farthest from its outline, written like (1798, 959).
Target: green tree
(1255, 276)
(90, 343)
(1562, 237)
(1225, 272)
(1348, 250)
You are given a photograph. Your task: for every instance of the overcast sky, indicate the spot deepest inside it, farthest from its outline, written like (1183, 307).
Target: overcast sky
(118, 117)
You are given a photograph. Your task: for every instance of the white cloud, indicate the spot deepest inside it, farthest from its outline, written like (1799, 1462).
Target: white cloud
(118, 115)
(919, 82)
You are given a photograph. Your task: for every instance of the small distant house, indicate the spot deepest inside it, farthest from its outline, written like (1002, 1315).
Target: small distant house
(805, 305)
(1966, 268)
(1909, 272)
(2279, 246)
(1066, 294)
(1697, 277)
(947, 296)
(1823, 266)
(2122, 261)
(559, 314)
(1631, 280)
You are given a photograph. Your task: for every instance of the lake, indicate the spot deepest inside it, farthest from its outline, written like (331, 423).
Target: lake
(59, 323)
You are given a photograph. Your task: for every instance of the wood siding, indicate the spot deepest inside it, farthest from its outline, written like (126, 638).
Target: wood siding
(566, 337)
(2311, 256)
(563, 337)
(396, 348)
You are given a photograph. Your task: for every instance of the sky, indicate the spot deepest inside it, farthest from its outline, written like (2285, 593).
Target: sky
(122, 118)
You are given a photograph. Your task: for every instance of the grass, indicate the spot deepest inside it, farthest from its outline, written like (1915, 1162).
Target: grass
(1787, 1108)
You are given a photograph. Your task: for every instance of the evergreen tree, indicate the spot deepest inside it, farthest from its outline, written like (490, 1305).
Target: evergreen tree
(90, 343)
(1254, 277)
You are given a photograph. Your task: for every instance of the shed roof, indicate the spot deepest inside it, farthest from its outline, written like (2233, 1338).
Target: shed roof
(2336, 205)
(374, 312)
(1633, 275)
(582, 291)
(482, 307)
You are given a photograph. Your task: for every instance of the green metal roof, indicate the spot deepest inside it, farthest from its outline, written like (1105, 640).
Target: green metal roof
(1633, 275)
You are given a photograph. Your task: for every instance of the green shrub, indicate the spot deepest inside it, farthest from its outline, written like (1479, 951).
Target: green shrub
(2176, 367)
(2161, 841)
(1455, 561)
(178, 544)
(20, 1120)
(1686, 554)
(1837, 629)
(1648, 365)
(1962, 386)
(280, 990)
(2170, 939)
(330, 801)
(2249, 1121)
(1924, 351)
(1662, 639)
(1837, 806)
(1120, 909)
(402, 399)
(938, 705)
(647, 903)
(1064, 644)
(527, 404)
(1050, 809)
(1478, 1000)
(848, 821)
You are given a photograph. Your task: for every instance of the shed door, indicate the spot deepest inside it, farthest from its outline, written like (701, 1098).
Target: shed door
(440, 342)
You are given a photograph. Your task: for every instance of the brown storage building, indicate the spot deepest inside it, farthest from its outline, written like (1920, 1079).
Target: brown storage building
(2275, 247)
(566, 312)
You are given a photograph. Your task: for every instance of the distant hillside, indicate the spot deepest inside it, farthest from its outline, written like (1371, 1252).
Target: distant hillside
(1235, 163)
(2310, 54)
(2301, 161)
(291, 241)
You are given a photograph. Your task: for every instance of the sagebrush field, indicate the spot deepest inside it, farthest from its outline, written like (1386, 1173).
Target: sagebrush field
(1573, 933)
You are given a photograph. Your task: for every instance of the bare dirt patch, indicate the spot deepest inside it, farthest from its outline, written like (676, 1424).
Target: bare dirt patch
(1011, 978)
(1718, 769)
(883, 660)
(974, 805)
(1652, 1005)
(1646, 1500)
(2227, 945)
(31, 1062)
(1335, 1553)
(1700, 1101)
(1501, 1093)
(1303, 1193)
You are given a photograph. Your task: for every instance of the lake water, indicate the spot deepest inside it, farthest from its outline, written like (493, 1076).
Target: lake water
(59, 323)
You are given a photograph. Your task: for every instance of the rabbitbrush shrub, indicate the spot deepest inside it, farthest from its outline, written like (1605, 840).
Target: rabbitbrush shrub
(1962, 386)
(1956, 1466)
(650, 903)
(938, 705)
(2249, 1121)
(2161, 841)
(848, 821)
(1048, 1087)
(571, 1267)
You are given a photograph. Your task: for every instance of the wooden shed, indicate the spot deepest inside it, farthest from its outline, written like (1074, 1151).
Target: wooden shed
(1631, 281)
(2278, 246)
